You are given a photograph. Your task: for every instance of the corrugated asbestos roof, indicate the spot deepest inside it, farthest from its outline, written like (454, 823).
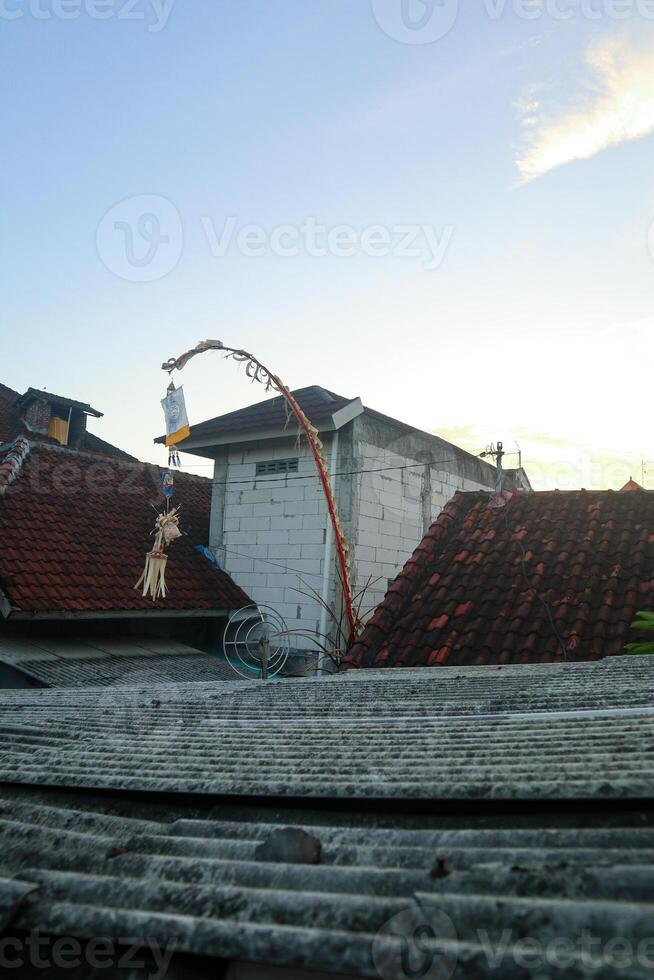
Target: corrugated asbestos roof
(458, 736)
(186, 871)
(105, 662)
(197, 885)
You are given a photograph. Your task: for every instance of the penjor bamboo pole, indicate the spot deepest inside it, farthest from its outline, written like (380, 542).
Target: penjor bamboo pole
(259, 372)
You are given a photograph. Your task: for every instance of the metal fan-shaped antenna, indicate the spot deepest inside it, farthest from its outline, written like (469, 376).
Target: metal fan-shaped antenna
(256, 642)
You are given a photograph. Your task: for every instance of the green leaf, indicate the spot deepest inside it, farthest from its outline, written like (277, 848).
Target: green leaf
(640, 648)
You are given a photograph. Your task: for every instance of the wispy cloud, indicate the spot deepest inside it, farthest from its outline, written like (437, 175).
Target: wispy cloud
(613, 103)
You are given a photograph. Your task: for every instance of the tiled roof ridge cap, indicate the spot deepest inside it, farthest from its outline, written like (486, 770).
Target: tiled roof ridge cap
(12, 462)
(114, 460)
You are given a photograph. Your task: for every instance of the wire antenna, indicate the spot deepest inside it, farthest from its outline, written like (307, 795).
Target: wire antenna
(497, 452)
(256, 642)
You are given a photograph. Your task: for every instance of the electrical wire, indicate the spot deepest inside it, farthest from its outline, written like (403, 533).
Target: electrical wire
(425, 462)
(282, 478)
(266, 561)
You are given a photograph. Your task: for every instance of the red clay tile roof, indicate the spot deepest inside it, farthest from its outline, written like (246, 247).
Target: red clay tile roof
(75, 529)
(11, 424)
(481, 586)
(630, 485)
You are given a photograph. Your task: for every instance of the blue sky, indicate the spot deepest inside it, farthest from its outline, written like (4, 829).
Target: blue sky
(523, 146)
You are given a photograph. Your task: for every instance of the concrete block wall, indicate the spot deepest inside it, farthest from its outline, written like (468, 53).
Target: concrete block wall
(390, 518)
(269, 531)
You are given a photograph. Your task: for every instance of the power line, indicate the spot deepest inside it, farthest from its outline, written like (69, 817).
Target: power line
(266, 561)
(283, 478)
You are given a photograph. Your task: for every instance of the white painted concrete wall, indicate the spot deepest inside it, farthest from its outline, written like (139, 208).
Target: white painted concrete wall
(390, 522)
(273, 530)
(270, 531)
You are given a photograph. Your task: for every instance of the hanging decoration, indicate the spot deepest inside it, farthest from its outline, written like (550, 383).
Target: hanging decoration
(166, 528)
(174, 406)
(153, 579)
(168, 483)
(259, 372)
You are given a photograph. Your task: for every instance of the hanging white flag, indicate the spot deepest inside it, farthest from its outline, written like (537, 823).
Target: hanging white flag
(177, 427)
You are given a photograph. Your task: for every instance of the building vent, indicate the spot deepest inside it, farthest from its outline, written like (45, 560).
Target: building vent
(271, 466)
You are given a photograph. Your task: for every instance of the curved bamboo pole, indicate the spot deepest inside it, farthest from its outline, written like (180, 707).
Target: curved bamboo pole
(259, 372)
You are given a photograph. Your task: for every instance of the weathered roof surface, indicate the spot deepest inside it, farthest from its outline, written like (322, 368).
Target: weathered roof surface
(189, 873)
(76, 527)
(579, 731)
(546, 576)
(11, 425)
(317, 403)
(49, 396)
(109, 661)
(196, 886)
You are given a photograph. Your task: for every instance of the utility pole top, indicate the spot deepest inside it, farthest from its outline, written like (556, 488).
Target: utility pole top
(498, 455)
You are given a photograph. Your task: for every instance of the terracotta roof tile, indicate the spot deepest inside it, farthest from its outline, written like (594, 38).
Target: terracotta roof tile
(81, 546)
(483, 579)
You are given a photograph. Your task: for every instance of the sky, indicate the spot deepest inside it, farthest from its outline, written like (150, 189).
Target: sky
(444, 209)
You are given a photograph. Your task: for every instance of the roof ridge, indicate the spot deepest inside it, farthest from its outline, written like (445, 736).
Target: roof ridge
(12, 463)
(43, 393)
(6, 390)
(114, 460)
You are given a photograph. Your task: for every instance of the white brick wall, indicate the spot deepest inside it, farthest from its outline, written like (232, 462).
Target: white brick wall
(273, 528)
(274, 531)
(390, 524)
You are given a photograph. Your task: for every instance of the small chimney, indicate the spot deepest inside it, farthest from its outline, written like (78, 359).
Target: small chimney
(55, 417)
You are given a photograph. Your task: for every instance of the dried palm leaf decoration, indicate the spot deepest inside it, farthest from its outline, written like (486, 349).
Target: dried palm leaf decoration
(153, 579)
(166, 528)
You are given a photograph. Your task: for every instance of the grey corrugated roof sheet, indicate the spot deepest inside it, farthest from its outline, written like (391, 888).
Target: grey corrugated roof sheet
(104, 662)
(197, 886)
(578, 731)
(442, 745)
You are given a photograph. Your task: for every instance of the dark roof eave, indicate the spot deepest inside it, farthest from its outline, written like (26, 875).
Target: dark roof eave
(327, 423)
(65, 614)
(58, 400)
(191, 445)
